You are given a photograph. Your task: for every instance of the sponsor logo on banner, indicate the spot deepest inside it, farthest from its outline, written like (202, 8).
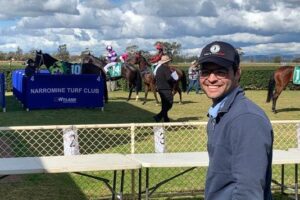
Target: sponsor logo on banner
(65, 100)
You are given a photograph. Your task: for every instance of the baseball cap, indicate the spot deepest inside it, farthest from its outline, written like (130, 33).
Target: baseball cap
(221, 53)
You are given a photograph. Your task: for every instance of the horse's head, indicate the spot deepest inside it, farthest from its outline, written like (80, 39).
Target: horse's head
(39, 59)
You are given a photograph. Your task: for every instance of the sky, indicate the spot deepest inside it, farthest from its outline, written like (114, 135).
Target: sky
(258, 27)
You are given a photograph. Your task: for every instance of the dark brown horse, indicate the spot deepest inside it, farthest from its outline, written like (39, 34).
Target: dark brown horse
(47, 60)
(149, 81)
(279, 80)
(128, 72)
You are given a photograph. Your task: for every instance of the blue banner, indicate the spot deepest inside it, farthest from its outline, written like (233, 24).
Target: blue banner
(2, 91)
(44, 90)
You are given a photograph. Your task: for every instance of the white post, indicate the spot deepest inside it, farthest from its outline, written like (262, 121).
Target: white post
(71, 145)
(159, 139)
(132, 133)
(298, 136)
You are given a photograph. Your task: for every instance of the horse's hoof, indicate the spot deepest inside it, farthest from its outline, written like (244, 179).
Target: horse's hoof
(157, 104)
(180, 103)
(144, 103)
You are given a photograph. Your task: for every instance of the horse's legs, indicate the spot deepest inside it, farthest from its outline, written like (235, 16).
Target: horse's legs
(146, 93)
(130, 92)
(275, 97)
(136, 95)
(153, 88)
(180, 95)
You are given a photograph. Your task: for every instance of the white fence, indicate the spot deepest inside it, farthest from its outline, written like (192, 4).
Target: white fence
(125, 138)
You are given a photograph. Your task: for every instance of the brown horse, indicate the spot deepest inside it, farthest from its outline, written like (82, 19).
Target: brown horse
(149, 80)
(128, 72)
(279, 80)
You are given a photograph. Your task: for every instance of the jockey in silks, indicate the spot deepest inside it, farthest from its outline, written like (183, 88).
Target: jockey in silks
(124, 57)
(111, 58)
(154, 60)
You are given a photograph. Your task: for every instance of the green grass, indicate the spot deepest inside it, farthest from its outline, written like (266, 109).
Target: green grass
(117, 111)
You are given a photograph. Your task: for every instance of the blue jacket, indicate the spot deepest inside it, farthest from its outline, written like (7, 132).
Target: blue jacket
(240, 142)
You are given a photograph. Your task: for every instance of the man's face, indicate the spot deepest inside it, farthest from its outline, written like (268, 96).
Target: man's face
(217, 81)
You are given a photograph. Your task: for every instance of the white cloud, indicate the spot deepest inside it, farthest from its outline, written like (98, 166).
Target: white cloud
(254, 25)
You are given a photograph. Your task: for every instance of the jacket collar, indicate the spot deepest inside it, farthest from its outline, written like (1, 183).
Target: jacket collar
(229, 99)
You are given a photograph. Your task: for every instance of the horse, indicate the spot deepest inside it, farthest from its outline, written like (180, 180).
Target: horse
(86, 68)
(128, 72)
(147, 75)
(149, 79)
(279, 80)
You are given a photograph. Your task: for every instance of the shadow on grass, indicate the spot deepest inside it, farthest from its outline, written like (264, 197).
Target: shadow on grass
(63, 186)
(41, 187)
(288, 110)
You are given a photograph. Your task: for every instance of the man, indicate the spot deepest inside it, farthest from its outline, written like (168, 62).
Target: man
(164, 84)
(240, 135)
(193, 77)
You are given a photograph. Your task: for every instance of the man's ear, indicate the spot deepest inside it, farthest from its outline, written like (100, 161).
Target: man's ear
(238, 74)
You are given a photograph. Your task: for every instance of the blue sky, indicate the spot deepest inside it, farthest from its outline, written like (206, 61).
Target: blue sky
(258, 27)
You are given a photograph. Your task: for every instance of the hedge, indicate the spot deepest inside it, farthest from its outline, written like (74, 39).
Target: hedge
(251, 79)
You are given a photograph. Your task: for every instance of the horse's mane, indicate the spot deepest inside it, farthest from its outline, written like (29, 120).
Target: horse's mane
(91, 58)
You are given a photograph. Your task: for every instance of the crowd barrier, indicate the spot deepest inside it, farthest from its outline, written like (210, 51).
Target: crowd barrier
(131, 139)
(2, 92)
(43, 90)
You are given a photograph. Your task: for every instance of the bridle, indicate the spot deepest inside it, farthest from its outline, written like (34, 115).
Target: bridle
(41, 60)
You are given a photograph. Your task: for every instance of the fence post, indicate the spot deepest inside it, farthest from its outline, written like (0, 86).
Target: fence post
(298, 136)
(71, 144)
(132, 133)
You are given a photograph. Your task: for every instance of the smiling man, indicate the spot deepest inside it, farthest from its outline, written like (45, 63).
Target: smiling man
(240, 135)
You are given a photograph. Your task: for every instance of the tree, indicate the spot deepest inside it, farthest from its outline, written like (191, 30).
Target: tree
(63, 53)
(296, 60)
(277, 59)
(19, 53)
(171, 49)
(131, 49)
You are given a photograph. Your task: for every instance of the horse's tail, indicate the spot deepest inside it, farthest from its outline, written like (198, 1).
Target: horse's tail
(183, 81)
(270, 88)
(138, 81)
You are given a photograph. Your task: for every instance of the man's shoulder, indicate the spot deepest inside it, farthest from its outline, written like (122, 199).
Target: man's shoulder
(245, 107)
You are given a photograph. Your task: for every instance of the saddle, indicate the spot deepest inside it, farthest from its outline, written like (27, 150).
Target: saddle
(296, 75)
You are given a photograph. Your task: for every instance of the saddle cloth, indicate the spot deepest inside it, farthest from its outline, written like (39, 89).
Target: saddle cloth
(296, 75)
(61, 67)
(115, 71)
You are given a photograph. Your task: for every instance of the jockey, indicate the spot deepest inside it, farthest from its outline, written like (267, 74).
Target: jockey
(154, 60)
(124, 57)
(111, 58)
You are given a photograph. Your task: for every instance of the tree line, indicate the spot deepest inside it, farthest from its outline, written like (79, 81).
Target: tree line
(173, 49)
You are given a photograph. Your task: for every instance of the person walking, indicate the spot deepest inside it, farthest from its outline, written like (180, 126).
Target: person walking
(164, 84)
(240, 135)
(193, 77)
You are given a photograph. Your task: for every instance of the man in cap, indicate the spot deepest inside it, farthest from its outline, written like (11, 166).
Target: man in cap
(240, 135)
(164, 83)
